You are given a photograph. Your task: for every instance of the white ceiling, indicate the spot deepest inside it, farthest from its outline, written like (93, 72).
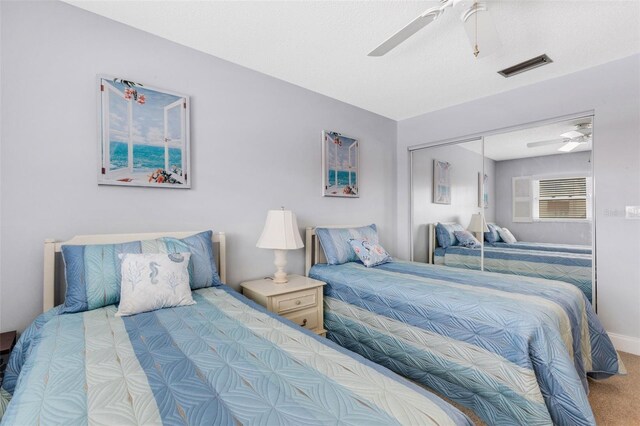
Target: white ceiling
(323, 45)
(513, 145)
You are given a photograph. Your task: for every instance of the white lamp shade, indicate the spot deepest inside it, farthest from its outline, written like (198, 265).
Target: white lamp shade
(280, 231)
(477, 224)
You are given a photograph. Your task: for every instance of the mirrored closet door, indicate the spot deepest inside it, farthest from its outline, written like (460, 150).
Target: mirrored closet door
(446, 186)
(529, 189)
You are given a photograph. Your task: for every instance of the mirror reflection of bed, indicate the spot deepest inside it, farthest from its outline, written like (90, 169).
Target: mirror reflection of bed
(532, 186)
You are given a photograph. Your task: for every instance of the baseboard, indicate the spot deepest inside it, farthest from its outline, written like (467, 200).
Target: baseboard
(626, 343)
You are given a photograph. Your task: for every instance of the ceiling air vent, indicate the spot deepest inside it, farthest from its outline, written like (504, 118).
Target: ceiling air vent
(527, 65)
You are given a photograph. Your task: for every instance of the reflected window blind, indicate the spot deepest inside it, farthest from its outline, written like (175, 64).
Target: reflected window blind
(563, 198)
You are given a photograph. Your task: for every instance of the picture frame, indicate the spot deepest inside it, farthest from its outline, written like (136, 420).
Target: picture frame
(483, 192)
(441, 182)
(340, 165)
(143, 135)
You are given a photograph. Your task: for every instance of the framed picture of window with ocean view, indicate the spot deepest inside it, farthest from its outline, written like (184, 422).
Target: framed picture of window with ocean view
(340, 165)
(144, 135)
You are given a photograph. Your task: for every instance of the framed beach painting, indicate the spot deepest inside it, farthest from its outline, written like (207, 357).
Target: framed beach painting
(441, 182)
(340, 165)
(483, 191)
(144, 135)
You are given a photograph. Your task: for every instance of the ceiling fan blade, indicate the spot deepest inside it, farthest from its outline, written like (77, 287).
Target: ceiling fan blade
(570, 146)
(544, 143)
(413, 27)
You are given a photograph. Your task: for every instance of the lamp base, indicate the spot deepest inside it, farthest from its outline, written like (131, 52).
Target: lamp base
(280, 276)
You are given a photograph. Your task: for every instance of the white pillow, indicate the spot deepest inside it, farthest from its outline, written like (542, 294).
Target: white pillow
(507, 236)
(154, 281)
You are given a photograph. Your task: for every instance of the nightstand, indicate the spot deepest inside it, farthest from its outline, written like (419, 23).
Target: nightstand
(300, 300)
(7, 342)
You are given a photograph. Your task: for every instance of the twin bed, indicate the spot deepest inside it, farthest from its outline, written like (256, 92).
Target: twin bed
(568, 263)
(517, 350)
(223, 360)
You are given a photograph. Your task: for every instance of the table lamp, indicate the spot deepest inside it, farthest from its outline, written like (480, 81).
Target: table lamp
(280, 234)
(478, 226)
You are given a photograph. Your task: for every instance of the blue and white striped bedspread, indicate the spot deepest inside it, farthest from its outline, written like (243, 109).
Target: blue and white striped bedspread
(561, 248)
(223, 361)
(516, 350)
(573, 268)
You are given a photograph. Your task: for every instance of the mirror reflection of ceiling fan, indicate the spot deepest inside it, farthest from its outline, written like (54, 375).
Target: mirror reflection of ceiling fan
(475, 19)
(569, 140)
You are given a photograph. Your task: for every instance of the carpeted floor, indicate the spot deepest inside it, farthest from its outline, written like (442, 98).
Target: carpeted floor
(615, 401)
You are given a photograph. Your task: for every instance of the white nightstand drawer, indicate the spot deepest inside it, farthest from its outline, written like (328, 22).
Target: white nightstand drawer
(295, 301)
(307, 318)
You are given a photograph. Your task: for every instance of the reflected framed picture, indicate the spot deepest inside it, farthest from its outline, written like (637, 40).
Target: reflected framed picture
(441, 182)
(483, 191)
(340, 165)
(144, 135)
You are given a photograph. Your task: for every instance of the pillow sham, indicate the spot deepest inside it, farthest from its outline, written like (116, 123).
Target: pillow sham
(507, 236)
(93, 272)
(370, 254)
(153, 281)
(466, 239)
(492, 236)
(445, 234)
(335, 242)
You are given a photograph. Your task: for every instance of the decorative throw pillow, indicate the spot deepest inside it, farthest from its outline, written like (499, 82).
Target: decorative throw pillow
(445, 234)
(335, 242)
(466, 239)
(371, 254)
(492, 236)
(154, 281)
(93, 272)
(507, 236)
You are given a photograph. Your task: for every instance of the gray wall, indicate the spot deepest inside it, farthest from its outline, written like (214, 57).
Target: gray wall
(563, 232)
(612, 92)
(465, 166)
(255, 146)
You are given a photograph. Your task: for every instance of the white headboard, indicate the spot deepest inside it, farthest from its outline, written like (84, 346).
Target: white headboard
(313, 252)
(51, 247)
(432, 242)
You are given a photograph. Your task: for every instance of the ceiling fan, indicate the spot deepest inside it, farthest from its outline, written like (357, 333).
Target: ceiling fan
(474, 16)
(570, 140)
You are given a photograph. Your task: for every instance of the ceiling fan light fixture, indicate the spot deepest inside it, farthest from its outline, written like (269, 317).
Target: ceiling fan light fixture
(572, 134)
(569, 146)
(527, 65)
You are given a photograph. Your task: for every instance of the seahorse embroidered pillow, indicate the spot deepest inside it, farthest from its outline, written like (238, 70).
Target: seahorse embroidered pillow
(371, 254)
(154, 281)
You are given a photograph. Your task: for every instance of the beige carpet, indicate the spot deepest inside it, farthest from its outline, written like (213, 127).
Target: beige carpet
(615, 401)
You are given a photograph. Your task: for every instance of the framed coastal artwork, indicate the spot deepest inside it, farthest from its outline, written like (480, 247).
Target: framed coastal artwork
(144, 135)
(441, 182)
(483, 191)
(340, 165)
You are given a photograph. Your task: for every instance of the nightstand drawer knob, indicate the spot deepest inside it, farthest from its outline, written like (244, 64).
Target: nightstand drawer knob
(304, 322)
(298, 302)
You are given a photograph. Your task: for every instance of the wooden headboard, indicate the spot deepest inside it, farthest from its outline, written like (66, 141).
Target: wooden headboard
(313, 252)
(51, 247)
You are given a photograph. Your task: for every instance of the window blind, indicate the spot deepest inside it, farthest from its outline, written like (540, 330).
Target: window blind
(563, 198)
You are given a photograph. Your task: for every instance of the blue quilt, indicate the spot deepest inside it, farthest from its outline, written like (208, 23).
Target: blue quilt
(223, 361)
(516, 350)
(561, 248)
(573, 268)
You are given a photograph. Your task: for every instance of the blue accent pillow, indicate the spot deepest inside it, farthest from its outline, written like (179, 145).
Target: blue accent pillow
(370, 254)
(445, 234)
(466, 239)
(492, 236)
(335, 242)
(93, 272)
